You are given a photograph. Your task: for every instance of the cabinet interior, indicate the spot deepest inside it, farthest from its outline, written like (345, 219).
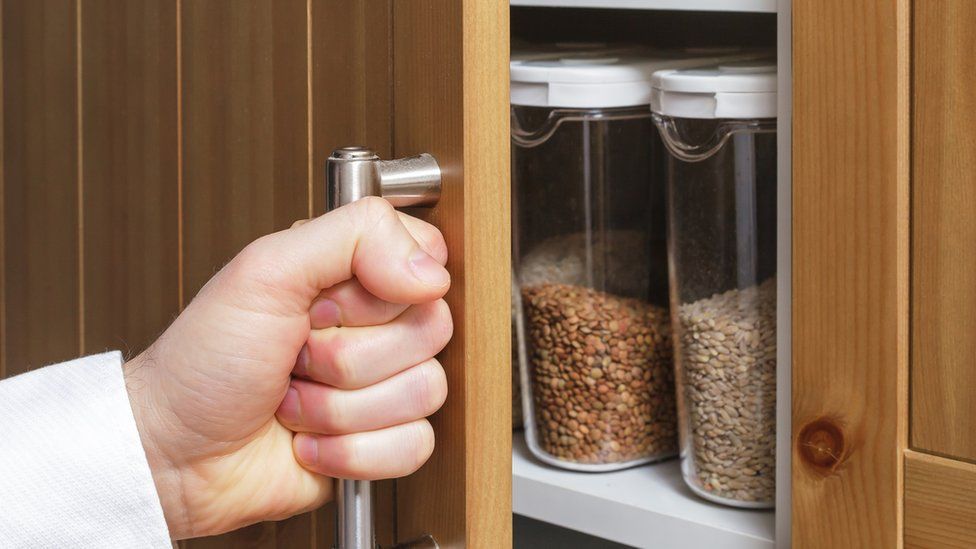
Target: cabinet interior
(651, 497)
(658, 28)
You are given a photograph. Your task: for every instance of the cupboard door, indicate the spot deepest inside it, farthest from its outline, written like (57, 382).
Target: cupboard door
(145, 143)
(850, 271)
(450, 98)
(939, 473)
(944, 230)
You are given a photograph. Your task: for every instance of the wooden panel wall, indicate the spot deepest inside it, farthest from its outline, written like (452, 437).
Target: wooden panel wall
(944, 229)
(42, 230)
(144, 143)
(850, 271)
(129, 171)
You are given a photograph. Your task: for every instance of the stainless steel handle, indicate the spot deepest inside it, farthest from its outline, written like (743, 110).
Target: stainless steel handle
(354, 173)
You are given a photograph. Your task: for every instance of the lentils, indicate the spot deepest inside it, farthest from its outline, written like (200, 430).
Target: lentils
(602, 376)
(728, 375)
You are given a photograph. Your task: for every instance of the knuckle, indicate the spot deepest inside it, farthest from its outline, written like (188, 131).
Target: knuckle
(348, 457)
(419, 445)
(436, 244)
(432, 387)
(375, 211)
(259, 262)
(338, 363)
(334, 417)
(440, 324)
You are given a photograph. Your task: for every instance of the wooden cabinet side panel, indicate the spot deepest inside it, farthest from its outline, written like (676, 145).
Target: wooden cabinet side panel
(245, 152)
(130, 172)
(41, 184)
(850, 271)
(451, 100)
(943, 229)
(940, 507)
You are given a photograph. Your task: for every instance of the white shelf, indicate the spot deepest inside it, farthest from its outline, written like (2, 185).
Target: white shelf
(767, 6)
(646, 506)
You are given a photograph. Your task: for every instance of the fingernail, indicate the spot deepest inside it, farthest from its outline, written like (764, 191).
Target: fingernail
(290, 405)
(428, 270)
(301, 363)
(306, 449)
(324, 313)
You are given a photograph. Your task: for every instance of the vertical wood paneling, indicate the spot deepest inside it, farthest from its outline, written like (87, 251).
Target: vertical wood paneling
(130, 172)
(850, 271)
(944, 229)
(352, 104)
(40, 165)
(451, 99)
(244, 127)
(352, 81)
(245, 152)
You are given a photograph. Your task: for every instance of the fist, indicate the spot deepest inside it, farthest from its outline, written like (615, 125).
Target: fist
(309, 356)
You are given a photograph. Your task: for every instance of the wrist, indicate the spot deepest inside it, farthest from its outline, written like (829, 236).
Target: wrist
(138, 375)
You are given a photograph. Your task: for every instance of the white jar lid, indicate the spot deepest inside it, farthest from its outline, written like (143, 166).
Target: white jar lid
(739, 90)
(597, 78)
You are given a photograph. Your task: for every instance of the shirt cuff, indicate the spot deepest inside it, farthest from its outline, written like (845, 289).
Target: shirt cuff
(73, 472)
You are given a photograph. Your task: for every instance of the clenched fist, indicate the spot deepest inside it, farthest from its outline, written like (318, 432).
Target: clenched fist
(308, 356)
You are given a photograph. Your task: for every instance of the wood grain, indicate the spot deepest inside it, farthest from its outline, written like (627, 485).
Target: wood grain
(40, 165)
(940, 507)
(129, 91)
(352, 81)
(245, 153)
(451, 99)
(850, 270)
(943, 229)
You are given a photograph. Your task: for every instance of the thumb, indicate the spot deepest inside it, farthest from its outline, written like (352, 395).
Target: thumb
(365, 239)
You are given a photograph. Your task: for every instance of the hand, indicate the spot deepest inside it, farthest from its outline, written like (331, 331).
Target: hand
(308, 356)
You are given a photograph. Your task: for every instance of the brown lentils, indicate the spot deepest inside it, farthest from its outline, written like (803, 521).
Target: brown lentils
(602, 374)
(727, 362)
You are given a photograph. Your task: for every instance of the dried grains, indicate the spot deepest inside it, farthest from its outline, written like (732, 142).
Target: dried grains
(727, 360)
(602, 375)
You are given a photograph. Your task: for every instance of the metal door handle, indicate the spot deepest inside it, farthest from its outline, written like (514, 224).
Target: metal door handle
(354, 173)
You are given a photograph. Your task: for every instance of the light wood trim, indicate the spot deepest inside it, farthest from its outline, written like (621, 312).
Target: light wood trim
(487, 266)
(940, 505)
(850, 271)
(245, 153)
(129, 166)
(451, 99)
(40, 184)
(944, 229)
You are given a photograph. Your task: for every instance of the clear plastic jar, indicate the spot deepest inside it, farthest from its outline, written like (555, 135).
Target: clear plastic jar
(722, 257)
(590, 252)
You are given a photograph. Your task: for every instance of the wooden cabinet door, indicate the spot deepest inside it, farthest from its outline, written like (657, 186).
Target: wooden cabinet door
(850, 271)
(884, 246)
(940, 468)
(144, 143)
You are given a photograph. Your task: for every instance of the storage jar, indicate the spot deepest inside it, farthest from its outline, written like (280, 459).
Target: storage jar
(590, 259)
(718, 125)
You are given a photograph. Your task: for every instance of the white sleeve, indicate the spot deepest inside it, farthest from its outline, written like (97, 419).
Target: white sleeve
(73, 472)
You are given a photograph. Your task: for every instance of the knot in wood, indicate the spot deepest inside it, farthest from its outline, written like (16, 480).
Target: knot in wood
(821, 445)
